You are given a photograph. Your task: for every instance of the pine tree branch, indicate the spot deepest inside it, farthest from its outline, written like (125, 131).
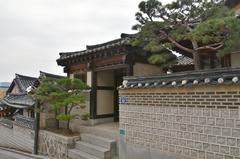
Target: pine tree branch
(179, 45)
(212, 47)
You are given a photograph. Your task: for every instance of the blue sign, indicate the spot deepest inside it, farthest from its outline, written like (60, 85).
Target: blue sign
(122, 100)
(122, 132)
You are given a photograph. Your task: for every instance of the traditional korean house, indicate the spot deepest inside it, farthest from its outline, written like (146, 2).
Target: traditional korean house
(102, 67)
(17, 98)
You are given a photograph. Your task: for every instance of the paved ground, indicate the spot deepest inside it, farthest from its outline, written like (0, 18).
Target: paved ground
(9, 155)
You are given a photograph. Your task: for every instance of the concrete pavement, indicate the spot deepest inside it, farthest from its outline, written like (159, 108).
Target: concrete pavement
(10, 155)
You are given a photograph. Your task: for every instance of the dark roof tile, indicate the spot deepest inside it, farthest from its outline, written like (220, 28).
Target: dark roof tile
(189, 78)
(18, 100)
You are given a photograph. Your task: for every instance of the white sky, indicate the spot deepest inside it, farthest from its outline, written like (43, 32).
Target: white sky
(33, 32)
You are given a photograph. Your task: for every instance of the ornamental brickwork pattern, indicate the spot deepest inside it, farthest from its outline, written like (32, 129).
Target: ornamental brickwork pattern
(196, 124)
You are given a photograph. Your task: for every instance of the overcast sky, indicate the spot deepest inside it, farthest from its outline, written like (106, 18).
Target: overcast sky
(33, 32)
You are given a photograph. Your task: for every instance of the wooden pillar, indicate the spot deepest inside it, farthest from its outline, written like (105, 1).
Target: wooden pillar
(93, 96)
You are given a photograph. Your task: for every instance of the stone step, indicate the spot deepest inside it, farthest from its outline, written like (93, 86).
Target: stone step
(95, 150)
(78, 154)
(97, 140)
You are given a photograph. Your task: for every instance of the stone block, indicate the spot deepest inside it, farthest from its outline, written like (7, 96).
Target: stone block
(231, 141)
(206, 112)
(187, 135)
(219, 156)
(215, 112)
(228, 157)
(176, 126)
(221, 140)
(238, 142)
(237, 124)
(230, 123)
(199, 129)
(220, 122)
(215, 148)
(194, 153)
(201, 154)
(186, 152)
(234, 151)
(183, 127)
(209, 155)
(211, 121)
(198, 145)
(208, 130)
(226, 132)
(225, 113)
(190, 128)
(202, 120)
(234, 114)
(224, 149)
(190, 143)
(195, 136)
(194, 120)
(203, 138)
(216, 131)
(236, 133)
(212, 139)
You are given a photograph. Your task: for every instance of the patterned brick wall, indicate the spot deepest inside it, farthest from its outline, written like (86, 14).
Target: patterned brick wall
(201, 122)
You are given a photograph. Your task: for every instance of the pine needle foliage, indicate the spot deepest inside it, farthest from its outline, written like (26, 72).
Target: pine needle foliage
(60, 96)
(204, 25)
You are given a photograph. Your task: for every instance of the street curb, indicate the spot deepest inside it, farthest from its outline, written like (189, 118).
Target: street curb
(23, 153)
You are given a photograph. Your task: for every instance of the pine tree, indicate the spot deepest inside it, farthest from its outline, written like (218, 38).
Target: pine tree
(60, 96)
(187, 26)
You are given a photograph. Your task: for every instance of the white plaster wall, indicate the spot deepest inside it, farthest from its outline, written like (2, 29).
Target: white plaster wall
(141, 69)
(105, 102)
(105, 78)
(235, 60)
(89, 78)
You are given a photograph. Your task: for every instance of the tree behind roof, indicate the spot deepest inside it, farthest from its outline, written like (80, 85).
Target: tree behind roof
(190, 26)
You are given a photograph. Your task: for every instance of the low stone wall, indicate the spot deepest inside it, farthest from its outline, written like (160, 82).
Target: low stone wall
(16, 137)
(54, 145)
(199, 122)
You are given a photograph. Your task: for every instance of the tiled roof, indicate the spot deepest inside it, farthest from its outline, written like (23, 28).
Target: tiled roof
(93, 49)
(2, 105)
(23, 82)
(49, 75)
(184, 79)
(183, 60)
(18, 100)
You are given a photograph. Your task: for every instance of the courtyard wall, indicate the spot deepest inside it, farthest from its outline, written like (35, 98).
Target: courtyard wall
(179, 121)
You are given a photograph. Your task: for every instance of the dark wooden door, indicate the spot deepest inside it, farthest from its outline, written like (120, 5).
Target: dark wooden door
(118, 76)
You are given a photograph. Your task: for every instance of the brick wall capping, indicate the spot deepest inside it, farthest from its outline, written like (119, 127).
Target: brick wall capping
(188, 79)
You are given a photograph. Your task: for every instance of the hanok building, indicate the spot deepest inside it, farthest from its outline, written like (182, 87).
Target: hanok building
(17, 99)
(103, 66)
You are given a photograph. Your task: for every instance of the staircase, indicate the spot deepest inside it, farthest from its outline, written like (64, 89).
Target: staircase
(93, 147)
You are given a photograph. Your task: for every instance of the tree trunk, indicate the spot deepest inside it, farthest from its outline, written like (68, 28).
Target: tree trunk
(197, 60)
(56, 121)
(68, 125)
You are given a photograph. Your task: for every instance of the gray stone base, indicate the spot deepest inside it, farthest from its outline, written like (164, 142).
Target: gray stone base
(129, 151)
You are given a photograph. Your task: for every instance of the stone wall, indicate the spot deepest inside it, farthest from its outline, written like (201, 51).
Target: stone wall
(54, 145)
(184, 122)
